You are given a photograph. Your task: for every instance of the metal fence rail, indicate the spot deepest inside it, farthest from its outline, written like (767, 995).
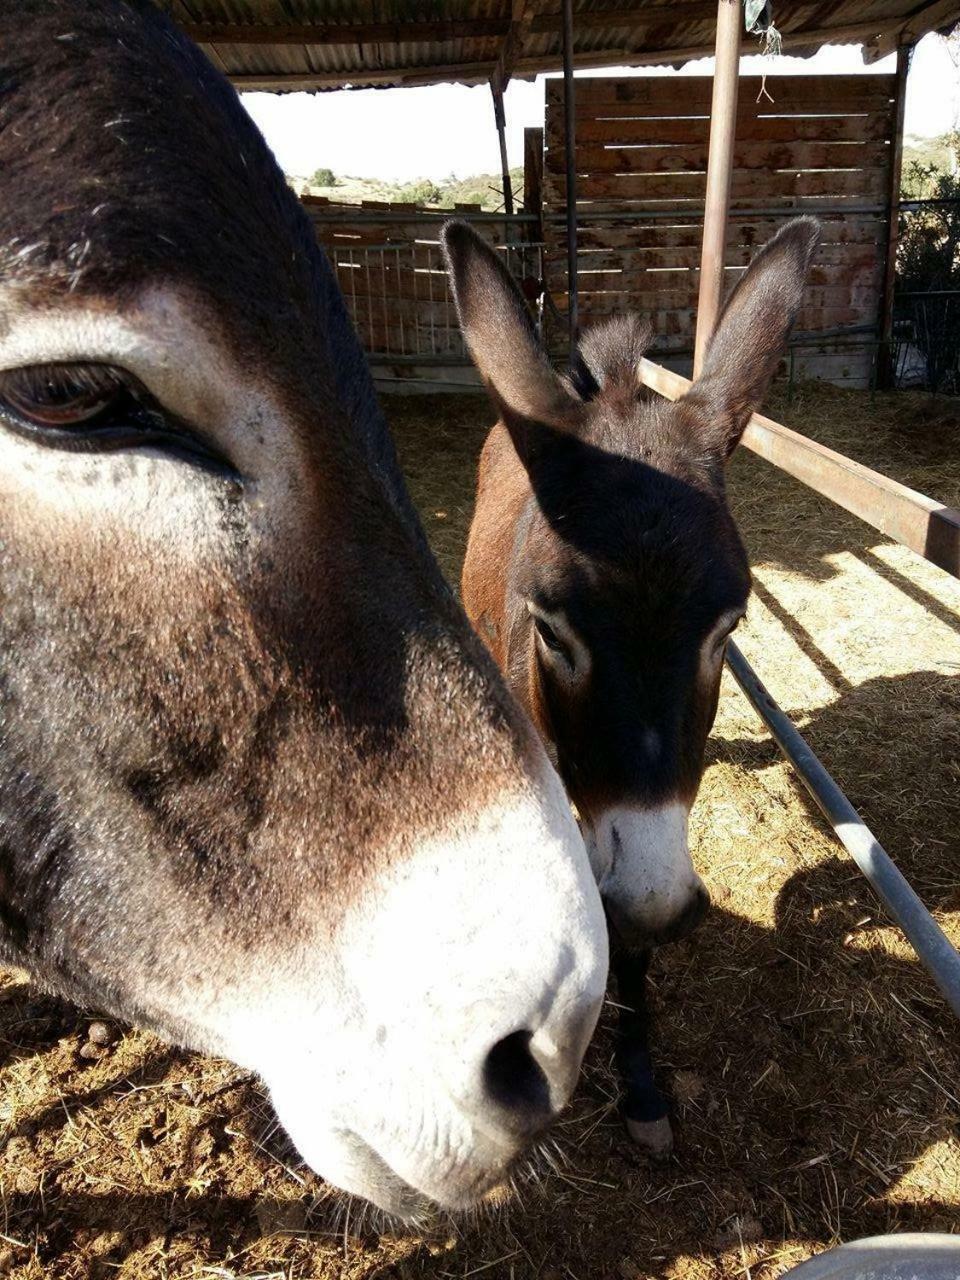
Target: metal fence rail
(931, 944)
(399, 297)
(932, 531)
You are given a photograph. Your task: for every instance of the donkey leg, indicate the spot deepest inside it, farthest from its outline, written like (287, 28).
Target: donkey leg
(644, 1108)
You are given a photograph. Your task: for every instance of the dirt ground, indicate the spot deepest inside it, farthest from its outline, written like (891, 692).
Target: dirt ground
(813, 1066)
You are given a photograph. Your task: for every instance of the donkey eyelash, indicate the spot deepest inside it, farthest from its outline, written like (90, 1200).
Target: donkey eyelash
(93, 408)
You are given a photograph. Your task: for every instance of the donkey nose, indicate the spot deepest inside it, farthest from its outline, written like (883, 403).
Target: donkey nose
(636, 932)
(527, 1077)
(515, 1083)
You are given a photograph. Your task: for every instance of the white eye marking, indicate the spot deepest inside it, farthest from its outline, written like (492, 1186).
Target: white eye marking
(559, 645)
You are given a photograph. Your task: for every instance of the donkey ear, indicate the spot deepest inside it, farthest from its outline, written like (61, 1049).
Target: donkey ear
(499, 334)
(752, 332)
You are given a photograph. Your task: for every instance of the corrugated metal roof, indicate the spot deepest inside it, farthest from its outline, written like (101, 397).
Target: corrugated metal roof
(286, 45)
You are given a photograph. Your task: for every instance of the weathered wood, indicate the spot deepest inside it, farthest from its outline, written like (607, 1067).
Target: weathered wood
(521, 20)
(628, 237)
(928, 17)
(746, 155)
(635, 52)
(924, 525)
(686, 95)
(874, 126)
(857, 309)
(346, 33)
(533, 178)
(758, 185)
(840, 260)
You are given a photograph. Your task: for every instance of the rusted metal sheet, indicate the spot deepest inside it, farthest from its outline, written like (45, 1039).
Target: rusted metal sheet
(322, 44)
(927, 527)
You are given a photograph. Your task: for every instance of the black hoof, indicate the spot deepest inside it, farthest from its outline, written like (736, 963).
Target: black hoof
(653, 1137)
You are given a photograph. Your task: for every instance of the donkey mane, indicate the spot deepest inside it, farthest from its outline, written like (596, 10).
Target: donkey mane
(606, 359)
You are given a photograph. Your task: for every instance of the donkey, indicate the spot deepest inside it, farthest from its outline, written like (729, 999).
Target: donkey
(261, 788)
(605, 573)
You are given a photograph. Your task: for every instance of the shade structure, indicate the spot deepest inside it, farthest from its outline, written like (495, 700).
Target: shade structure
(332, 44)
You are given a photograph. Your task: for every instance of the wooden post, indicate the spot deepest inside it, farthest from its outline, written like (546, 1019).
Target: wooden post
(570, 141)
(723, 121)
(885, 369)
(533, 181)
(501, 119)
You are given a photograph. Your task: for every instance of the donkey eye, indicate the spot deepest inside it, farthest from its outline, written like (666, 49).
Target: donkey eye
(56, 395)
(548, 635)
(94, 407)
(725, 635)
(551, 639)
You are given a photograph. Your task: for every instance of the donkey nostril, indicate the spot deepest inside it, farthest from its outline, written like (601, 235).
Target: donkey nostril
(514, 1080)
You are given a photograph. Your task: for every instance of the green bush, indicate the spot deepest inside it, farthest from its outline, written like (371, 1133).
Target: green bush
(324, 178)
(928, 263)
(420, 191)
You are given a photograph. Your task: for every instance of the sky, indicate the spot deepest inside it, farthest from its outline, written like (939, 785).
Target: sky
(432, 132)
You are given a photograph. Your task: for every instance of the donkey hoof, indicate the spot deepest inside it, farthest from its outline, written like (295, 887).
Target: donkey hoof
(653, 1137)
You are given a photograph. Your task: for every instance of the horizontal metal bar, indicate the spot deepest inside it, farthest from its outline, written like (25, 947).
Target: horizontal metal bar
(320, 214)
(915, 206)
(931, 944)
(427, 359)
(421, 384)
(927, 527)
(696, 214)
(419, 246)
(412, 215)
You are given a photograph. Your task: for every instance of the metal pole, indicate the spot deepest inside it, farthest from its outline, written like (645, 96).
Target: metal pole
(885, 363)
(931, 944)
(500, 117)
(723, 123)
(570, 140)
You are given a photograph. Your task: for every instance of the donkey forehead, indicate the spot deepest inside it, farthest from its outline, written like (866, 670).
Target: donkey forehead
(610, 521)
(126, 159)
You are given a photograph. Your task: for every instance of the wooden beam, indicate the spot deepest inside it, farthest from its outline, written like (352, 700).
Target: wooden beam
(927, 527)
(522, 15)
(521, 19)
(476, 72)
(925, 18)
(459, 72)
(343, 33)
(885, 369)
(533, 180)
(723, 123)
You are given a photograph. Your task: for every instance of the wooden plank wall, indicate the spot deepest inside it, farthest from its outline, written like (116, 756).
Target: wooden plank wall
(388, 262)
(816, 142)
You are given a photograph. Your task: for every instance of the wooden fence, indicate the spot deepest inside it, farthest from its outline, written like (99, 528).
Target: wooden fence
(822, 144)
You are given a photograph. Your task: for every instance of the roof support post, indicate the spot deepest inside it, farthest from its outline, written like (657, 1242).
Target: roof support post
(501, 120)
(885, 369)
(570, 140)
(723, 121)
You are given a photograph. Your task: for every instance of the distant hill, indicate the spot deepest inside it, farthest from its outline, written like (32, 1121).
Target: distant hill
(485, 189)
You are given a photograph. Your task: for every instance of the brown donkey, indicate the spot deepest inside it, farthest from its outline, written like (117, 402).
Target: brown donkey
(261, 787)
(605, 572)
